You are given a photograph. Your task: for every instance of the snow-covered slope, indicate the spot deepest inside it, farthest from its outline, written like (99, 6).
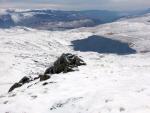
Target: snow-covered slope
(134, 31)
(112, 81)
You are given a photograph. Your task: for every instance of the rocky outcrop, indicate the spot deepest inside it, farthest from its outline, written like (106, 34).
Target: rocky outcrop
(65, 63)
(24, 80)
(44, 77)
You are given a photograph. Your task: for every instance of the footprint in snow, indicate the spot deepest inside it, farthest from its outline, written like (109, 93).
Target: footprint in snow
(12, 95)
(140, 90)
(108, 100)
(61, 104)
(121, 109)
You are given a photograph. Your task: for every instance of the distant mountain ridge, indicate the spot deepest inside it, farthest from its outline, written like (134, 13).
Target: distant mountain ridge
(47, 19)
(56, 19)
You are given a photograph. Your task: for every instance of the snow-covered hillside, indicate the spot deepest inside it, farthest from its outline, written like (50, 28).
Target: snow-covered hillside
(134, 31)
(115, 79)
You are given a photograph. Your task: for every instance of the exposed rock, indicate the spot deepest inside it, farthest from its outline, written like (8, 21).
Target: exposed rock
(24, 80)
(65, 63)
(16, 85)
(35, 78)
(44, 77)
(45, 83)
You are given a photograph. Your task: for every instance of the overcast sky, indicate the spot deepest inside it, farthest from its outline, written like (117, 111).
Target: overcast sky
(77, 4)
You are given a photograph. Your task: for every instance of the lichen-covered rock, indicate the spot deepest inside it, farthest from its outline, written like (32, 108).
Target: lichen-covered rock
(65, 63)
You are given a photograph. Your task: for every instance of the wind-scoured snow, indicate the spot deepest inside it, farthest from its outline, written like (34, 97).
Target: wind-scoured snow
(109, 83)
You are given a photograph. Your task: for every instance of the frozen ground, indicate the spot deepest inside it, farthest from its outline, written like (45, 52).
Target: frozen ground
(111, 82)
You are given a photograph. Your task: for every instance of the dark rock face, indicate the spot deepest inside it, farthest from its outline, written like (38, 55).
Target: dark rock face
(65, 63)
(24, 80)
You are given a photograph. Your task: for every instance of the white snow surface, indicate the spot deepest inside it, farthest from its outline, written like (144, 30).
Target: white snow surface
(109, 83)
